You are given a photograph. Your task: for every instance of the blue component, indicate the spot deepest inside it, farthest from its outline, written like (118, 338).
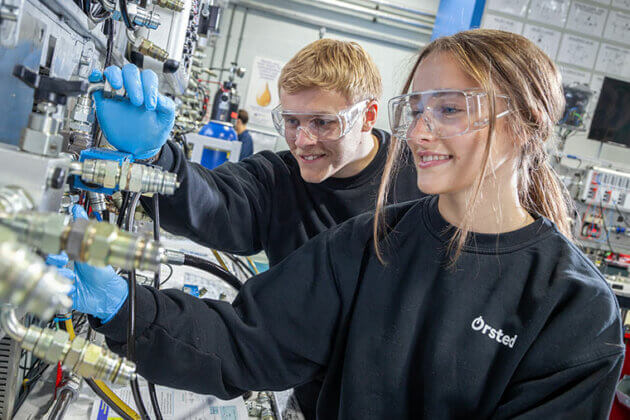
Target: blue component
(211, 158)
(191, 290)
(219, 130)
(100, 154)
(457, 15)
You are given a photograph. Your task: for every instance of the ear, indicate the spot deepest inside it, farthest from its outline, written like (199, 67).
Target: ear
(370, 115)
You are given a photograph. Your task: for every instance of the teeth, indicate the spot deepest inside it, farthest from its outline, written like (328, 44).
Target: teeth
(429, 158)
(311, 157)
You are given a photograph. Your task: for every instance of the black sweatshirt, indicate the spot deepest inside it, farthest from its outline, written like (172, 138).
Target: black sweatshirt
(524, 325)
(262, 202)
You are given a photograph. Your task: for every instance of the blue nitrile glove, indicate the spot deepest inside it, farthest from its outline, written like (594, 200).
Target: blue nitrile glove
(141, 124)
(60, 261)
(99, 290)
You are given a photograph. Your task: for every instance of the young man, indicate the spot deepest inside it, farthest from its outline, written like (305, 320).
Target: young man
(247, 146)
(276, 202)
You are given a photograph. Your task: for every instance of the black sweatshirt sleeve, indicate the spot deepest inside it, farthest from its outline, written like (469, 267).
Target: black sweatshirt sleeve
(278, 333)
(572, 368)
(225, 208)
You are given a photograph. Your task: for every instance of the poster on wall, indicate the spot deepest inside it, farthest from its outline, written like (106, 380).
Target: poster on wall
(587, 19)
(501, 23)
(551, 12)
(262, 93)
(614, 60)
(604, 2)
(547, 40)
(571, 76)
(618, 27)
(622, 4)
(511, 7)
(578, 51)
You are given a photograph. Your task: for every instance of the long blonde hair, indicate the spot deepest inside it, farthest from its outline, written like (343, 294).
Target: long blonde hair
(509, 63)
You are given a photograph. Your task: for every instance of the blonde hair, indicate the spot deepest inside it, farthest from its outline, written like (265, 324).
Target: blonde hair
(334, 65)
(503, 62)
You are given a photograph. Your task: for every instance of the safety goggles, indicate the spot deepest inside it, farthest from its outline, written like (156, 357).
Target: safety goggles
(321, 127)
(445, 113)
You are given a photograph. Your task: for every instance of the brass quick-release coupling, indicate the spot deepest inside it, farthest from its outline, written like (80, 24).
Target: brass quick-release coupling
(26, 282)
(79, 355)
(97, 243)
(176, 5)
(125, 176)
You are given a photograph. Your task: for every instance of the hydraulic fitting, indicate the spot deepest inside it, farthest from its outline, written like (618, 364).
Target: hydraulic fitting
(149, 49)
(139, 16)
(176, 5)
(97, 201)
(14, 199)
(28, 283)
(79, 355)
(97, 243)
(125, 176)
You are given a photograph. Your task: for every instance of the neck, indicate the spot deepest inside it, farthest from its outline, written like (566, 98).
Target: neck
(498, 208)
(369, 150)
(240, 129)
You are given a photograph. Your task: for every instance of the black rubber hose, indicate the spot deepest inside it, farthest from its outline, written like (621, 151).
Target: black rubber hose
(123, 209)
(131, 324)
(156, 283)
(106, 399)
(212, 268)
(125, 15)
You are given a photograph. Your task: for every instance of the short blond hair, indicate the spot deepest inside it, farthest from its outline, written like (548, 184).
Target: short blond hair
(334, 65)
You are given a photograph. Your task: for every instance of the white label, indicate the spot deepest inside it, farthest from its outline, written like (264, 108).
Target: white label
(501, 23)
(547, 40)
(587, 19)
(551, 12)
(618, 27)
(512, 7)
(614, 60)
(578, 51)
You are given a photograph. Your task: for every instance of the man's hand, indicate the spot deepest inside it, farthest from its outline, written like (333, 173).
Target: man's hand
(141, 124)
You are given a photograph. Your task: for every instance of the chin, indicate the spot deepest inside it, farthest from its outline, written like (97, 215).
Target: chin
(312, 177)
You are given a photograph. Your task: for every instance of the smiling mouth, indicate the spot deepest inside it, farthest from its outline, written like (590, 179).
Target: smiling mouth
(312, 157)
(430, 158)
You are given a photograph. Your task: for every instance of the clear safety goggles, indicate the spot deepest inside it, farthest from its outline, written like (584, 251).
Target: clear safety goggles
(321, 127)
(445, 113)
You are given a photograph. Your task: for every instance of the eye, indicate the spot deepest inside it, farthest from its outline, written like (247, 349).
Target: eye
(291, 122)
(450, 110)
(319, 122)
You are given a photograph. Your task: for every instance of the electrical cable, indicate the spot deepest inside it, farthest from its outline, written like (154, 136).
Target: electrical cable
(623, 218)
(220, 260)
(601, 208)
(244, 268)
(212, 268)
(249, 259)
(169, 275)
(123, 209)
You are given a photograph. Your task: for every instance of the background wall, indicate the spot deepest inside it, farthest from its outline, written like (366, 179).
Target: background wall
(579, 36)
(254, 32)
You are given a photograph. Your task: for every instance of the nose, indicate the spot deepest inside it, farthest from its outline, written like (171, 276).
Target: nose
(422, 130)
(303, 139)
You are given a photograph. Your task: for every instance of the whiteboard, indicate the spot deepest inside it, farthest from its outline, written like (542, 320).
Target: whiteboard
(587, 19)
(578, 51)
(501, 23)
(551, 12)
(547, 40)
(572, 76)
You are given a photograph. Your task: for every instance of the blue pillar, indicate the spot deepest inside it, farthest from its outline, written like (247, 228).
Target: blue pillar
(457, 15)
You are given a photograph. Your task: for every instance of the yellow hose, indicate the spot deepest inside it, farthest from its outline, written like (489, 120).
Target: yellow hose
(102, 386)
(251, 262)
(220, 260)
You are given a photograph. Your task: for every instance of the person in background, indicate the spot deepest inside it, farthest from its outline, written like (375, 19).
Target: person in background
(471, 303)
(247, 145)
(329, 102)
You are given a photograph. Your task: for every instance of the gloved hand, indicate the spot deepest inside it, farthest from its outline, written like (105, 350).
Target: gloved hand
(99, 290)
(60, 261)
(141, 124)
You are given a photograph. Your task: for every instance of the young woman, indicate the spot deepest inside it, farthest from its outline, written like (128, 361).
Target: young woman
(472, 303)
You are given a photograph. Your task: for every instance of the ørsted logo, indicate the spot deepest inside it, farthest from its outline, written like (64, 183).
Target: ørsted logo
(480, 325)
